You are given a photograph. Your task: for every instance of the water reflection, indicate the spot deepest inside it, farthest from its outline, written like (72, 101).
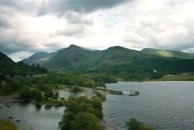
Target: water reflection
(38, 107)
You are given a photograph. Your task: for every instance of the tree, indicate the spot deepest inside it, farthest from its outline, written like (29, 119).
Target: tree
(81, 114)
(37, 95)
(76, 89)
(48, 93)
(26, 94)
(56, 95)
(85, 121)
(134, 124)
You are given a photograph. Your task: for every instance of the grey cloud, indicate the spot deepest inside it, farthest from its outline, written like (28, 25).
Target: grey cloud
(14, 6)
(8, 2)
(10, 46)
(83, 6)
(19, 5)
(76, 18)
(72, 31)
(4, 23)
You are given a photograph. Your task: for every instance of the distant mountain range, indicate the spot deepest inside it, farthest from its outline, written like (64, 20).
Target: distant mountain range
(117, 61)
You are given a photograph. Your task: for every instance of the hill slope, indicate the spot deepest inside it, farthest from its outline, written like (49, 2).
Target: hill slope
(117, 61)
(168, 53)
(5, 61)
(36, 58)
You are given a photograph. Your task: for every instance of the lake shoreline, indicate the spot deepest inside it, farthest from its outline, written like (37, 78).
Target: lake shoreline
(8, 99)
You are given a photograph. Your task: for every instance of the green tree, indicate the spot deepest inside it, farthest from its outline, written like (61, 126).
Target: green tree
(85, 121)
(37, 95)
(81, 114)
(134, 124)
(48, 93)
(56, 95)
(26, 94)
(76, 89)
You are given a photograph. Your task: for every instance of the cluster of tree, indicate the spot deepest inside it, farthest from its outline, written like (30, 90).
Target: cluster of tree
(82, 114)
(86, 80)
(21, 69)
(127, 72)
(29, 88)
(28, 94)
(134, 124)
(8, 86)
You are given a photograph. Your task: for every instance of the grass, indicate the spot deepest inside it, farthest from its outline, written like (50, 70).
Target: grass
(7, 125)
(178, 78)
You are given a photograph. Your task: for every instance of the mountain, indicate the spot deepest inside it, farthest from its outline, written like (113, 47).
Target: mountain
(117, 61)
(5, 61)
(11, 68)
(37, 58)
(168, 53)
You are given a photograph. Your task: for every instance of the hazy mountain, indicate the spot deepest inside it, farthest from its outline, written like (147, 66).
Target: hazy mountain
(117, 61)
(168, 53)
(37, 58)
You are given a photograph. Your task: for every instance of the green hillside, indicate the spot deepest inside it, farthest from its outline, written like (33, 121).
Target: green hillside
(116, 61)
(168, 53)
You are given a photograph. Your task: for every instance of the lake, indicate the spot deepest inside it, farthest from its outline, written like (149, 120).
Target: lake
(35, 117)
(163, 105)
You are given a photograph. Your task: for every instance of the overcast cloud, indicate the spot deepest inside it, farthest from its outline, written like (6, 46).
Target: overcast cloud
(30, 26)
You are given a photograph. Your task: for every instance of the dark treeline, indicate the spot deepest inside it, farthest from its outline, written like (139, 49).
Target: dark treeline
(86, 80)
(20, 69)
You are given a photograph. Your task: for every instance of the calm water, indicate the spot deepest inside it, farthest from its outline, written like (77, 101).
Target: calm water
(33, 117)
(163, 105)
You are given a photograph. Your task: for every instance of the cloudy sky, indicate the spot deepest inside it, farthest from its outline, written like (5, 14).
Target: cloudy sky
(30, 26)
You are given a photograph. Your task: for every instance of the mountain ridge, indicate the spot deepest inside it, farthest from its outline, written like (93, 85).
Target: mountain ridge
(5, 60)
(118, 61)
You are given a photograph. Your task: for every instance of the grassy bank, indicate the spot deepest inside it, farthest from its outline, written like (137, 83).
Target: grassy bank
(177, 78)
(7, 125)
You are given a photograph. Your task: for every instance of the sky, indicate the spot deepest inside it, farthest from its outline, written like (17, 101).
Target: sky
(30, 26)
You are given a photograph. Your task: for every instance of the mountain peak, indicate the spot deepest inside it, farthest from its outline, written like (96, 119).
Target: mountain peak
(73, 46)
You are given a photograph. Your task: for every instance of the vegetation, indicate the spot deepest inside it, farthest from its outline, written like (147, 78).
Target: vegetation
(134, 124)
(7, 125)
(21, 70)
(182, 77)
(82, 114)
